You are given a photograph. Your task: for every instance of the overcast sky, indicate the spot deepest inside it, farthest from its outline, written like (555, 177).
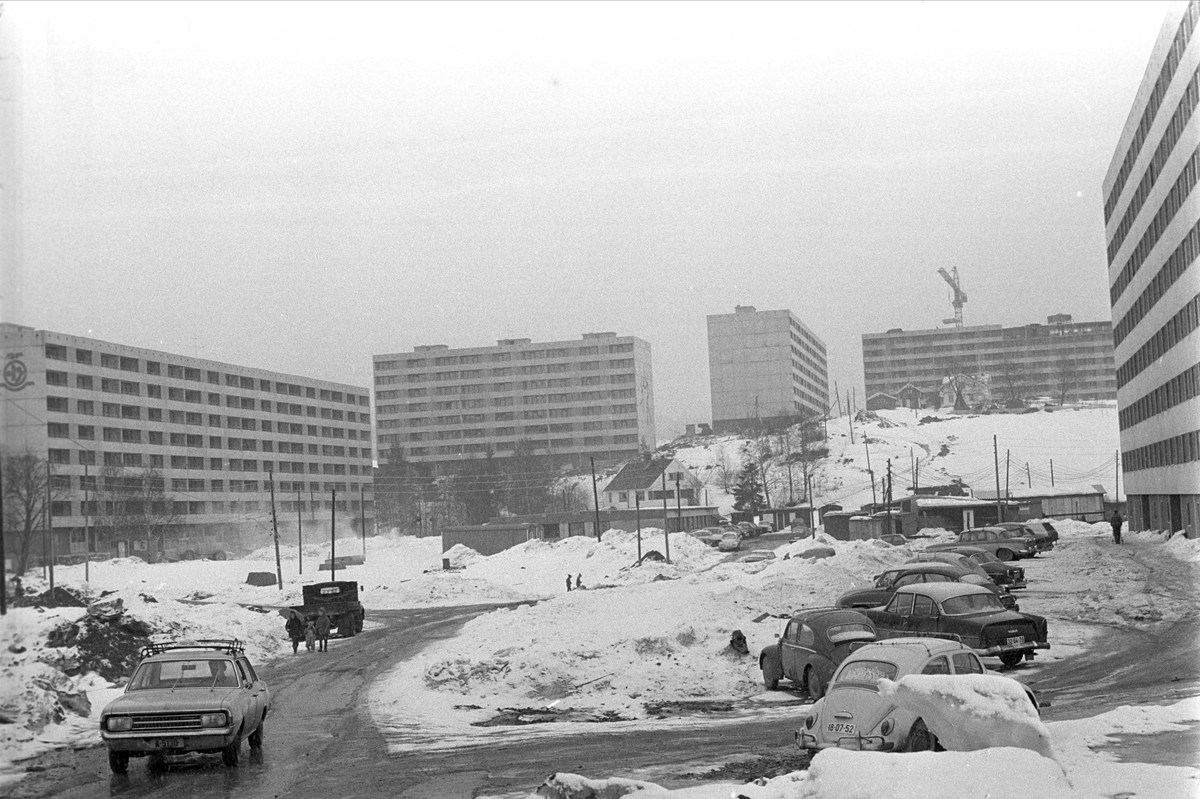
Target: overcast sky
(298, 186)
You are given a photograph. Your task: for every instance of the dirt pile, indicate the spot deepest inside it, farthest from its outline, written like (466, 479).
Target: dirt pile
(107, 641)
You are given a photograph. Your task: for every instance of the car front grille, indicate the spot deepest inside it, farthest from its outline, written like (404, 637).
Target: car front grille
(1017, 574)
(160, 722)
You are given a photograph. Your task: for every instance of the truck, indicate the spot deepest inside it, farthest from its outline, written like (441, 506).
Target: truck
(339, 599)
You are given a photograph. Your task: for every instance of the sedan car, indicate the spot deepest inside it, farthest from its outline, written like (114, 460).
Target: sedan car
(912, 573)
(1000, 542)
(968, 613)
(1002, 574)
(709, 535)
(1033, 531)
(813, 644)
(730, 542)
(853, 714)
(193, 696)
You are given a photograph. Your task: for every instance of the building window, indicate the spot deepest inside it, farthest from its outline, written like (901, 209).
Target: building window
(129, 364)
(86, 432)
(58, 430)
(109, 361)
(86, 407)
(57, 404)
(83, 356)
(153, 368)
(83, 381)
(87, 458)
(56, 378)
(56, 352)
(154, 414)
(60, 455)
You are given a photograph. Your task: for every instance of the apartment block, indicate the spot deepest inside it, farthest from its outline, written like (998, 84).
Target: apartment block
(764, 367)
(202, 439)
(1057, 358)
(1152, 226)
(592, 397)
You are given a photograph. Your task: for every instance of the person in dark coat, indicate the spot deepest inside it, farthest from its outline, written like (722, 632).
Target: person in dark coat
(1116, 521)
(295, 630)
(568, 583)
(323, 625)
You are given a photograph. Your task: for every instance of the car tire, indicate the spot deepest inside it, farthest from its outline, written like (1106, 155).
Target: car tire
(813, 684)
(256, 738)
(1011, 659)
(1005, 554)
(920, 739)
(231, 754)
(771, 681)
(118, 762)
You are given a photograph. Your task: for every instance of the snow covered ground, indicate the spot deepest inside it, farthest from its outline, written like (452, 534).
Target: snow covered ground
(646, 634)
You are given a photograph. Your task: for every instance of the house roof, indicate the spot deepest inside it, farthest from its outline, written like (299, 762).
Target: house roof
(1075, 490)
(639, 475)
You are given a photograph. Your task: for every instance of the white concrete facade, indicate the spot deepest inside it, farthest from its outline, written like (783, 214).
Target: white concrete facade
(1152, 226)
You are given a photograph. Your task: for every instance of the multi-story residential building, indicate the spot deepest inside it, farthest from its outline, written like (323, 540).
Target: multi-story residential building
(566, 400)
(1058, 359)
(200, 439)
(1152, 225)
(764, 367)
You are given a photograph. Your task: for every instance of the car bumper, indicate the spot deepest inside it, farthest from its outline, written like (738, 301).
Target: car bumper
(859, 743)
(1004, 649)
(1014, 584)
(136, 743)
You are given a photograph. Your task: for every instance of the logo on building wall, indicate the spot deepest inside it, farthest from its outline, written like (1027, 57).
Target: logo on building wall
(15, 373)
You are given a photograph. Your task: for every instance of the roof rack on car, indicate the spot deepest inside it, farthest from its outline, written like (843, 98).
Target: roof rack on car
(230, 646)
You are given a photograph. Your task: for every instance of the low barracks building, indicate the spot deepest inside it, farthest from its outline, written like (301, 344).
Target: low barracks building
(566, 400)
(207, 433)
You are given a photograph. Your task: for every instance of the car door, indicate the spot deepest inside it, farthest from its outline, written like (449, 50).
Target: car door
(789, 652)
(254, 689)
(894, 617)
(924, 617)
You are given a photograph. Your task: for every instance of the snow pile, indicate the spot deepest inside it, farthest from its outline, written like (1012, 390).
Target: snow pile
(972, 711)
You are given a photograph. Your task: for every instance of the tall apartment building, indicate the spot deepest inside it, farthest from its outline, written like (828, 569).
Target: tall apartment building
(203, 435)
(764, 367)
(1061, 356)
(1152, 225)
(568, 400)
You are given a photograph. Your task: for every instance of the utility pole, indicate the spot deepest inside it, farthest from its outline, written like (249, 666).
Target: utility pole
(362, 519)
(850, 416)
(871, 472)
(299, 532)
(637, 504)
(275, 529)
(595, 496)
(1007, 460)
(888, 496)
(1052, 472)
(312, 508)
(836, 395)
(678, 504)
(1117, 476)
(49, 516)
(87, 530)
(1028, 478)
(333, 534)
(666, 522)
(996, 458)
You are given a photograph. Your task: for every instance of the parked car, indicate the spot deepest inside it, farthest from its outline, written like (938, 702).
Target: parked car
(912, 573)
(968, 613)
(750, 529)
(709, 535)
(1002, 574)
(853, 714)
(187, 696)
(1033, 530)
(894, 539)
(954, 558)
(730, 542)
(757, 556)
(813, 643)
(1041, 525)
(1000, 542)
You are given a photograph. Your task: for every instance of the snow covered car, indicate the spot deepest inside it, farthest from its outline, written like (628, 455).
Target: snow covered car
(963, 612)
(730, 542)
(813, 643)
(757, 556)
(932, 571)
(854, 715)
(187, 696)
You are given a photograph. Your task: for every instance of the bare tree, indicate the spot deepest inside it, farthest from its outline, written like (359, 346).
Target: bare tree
(1066, 376)
(25, 478)
(1013, 377)
(133, 503)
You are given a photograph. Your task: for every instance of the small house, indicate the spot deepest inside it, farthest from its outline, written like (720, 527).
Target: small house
(651, 481)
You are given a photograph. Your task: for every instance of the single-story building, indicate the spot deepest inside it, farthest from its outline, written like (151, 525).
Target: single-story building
(553, 526)
(1083, 502)
(882, 402)
(951, 513)
(488, 539)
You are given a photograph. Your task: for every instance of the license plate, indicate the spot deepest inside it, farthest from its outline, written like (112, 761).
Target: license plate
(1018, 639)
(840, 728)
(168, 743)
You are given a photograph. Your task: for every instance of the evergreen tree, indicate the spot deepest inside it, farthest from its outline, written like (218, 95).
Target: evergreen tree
(748, 492)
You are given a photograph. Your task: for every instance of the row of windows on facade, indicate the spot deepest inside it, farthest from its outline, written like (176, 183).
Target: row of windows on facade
(1171, 270)
(812, 351)
(1097, 369)
(934, 353)
(1180, 388)
(500, 371)
(1175, 330)
(192, 485)
(687, 494)
(138, 460)
(501, 357)
(540, 429)
(1174, 451)
(58, 352)
(816, 378)
(64, 508)
(126, 435)
(1162, 153)
(505, 386)
(508, 416)
(114, 410)
(496, 402)
(1171, 204)
(154, 391)
(560, 444)
(1165, 75)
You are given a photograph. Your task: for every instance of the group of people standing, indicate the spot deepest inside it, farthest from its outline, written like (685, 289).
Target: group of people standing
(314, 632)
(578, 582)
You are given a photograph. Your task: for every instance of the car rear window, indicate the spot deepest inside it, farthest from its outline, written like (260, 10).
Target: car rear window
(867, 672)
(840, 633)
(195, 673)
(971, 603)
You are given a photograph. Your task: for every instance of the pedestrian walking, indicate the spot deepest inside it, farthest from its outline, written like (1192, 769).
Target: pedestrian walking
(323, 625)
(310, 636)
(295, 630)
(568, 583)
(1116, 521)
(578, 582)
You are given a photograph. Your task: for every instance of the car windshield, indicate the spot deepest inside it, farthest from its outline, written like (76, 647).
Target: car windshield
(198, 673)
(841, 633)
(866, 672)
(984, 557)
(971, 603)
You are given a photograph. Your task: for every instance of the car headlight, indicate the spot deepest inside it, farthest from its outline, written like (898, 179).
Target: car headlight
(809, 721)
(887, 726)
(214, 719)
(118, 723)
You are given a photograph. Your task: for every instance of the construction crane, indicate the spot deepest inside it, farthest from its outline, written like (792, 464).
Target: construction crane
(959, 298)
